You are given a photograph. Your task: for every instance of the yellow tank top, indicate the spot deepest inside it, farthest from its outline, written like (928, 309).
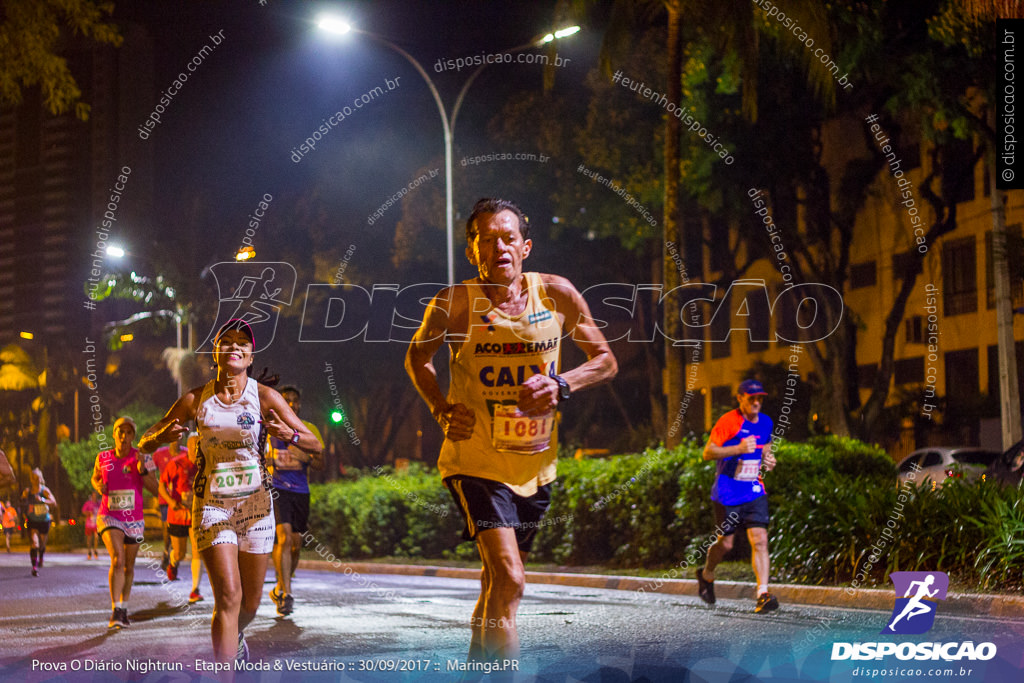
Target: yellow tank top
(499, 353)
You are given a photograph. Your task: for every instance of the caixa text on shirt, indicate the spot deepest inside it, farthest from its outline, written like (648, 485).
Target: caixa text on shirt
(801, 313)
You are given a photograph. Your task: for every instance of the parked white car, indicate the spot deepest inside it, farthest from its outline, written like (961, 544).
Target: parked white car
(939, 463)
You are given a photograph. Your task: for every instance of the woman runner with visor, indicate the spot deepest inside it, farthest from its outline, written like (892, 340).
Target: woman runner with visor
(232, 511)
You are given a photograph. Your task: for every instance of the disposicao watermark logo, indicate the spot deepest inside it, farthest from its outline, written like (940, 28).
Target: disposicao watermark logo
(254, 292)
(914, 613)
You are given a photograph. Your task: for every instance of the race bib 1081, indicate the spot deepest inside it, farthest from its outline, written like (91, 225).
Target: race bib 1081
(515, 432)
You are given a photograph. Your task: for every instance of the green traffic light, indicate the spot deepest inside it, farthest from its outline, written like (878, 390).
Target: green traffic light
(337, 416)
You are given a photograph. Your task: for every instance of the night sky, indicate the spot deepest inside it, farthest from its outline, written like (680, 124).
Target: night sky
(230, 134)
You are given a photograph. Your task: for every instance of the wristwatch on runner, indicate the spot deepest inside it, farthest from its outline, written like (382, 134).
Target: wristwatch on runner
(563, 388)
(295, 438)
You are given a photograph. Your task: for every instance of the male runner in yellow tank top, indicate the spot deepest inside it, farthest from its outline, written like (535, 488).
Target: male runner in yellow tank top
(504, 330)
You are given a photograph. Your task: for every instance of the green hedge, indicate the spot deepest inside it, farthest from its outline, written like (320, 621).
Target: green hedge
(837, 531)
(382, 513)
(831, 501)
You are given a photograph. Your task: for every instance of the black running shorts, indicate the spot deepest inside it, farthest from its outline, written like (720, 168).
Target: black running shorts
(487, 504)
(178, 530)
(731, 518)
(40, 527)
(291, 508)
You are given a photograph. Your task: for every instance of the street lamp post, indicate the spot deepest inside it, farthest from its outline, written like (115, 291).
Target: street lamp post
(335, 25)
(178, 314)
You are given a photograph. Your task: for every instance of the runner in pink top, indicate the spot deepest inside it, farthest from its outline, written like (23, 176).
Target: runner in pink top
(119, 476)
(90, 510)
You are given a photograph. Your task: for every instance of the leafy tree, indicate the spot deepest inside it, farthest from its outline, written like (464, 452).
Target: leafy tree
(953, 88)
(719, 73)
(732, 31)
(32, 33)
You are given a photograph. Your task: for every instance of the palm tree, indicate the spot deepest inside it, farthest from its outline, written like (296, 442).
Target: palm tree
(732, 27)
(19, 382)
(165, 304)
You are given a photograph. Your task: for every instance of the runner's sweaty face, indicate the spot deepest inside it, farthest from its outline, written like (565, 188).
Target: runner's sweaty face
(123, 437)
(233, 351)
(498, 250)
(750, 404)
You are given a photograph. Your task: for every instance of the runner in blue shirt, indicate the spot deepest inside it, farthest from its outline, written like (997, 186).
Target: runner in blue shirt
(740, 443)
(290, 490)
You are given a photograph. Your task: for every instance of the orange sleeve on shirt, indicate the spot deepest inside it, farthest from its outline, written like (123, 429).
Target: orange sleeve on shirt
(726, 428)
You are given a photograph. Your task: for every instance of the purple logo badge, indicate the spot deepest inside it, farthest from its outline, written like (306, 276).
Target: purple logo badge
(917, 594)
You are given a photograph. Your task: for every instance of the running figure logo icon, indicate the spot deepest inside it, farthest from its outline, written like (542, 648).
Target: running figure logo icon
(254, 292)
(914, 613)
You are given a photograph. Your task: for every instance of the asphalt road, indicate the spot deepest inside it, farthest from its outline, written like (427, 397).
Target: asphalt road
(349, 627)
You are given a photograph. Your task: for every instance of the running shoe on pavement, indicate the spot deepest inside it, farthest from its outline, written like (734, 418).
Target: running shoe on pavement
(766, 603)
(194, 596)
(705, 589)
(242, 655)
(282, 602)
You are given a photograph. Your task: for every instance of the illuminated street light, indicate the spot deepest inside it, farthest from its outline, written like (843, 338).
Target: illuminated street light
(561, 33)
(178, 314)
(338, 26)
(333, 24)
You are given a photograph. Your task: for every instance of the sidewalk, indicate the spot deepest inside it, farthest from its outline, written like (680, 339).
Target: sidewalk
(961, 604)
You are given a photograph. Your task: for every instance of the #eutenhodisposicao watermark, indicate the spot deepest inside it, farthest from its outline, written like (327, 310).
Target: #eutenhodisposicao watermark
(619, 190)
(99, 254)
(681, 113)
(904, 187)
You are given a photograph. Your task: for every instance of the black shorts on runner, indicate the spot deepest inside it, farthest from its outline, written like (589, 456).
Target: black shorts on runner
(178, 530)
(291, 508)
(41, 527)
(730, 518)
(128, 540)
(487, 504)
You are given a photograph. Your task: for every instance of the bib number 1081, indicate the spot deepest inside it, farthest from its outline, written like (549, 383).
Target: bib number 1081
(516, 432)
